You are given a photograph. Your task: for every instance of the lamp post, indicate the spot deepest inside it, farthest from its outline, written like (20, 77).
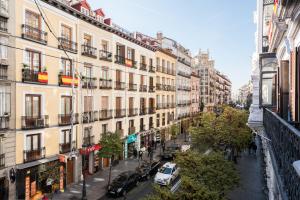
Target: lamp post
(83, 173)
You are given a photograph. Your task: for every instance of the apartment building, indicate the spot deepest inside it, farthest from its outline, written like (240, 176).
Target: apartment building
(274, 113)
(7, 106)
(183, 78)
(195, 93)
(93, 77)
(215, 87)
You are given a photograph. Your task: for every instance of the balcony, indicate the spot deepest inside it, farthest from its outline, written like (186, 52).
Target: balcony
(2, 161)
(120, 60)
(105, 55)
(164, 70)
(151, 69)
(64, 148)
(159, 86)
(67, 45)
(66, 80)
(143, 88)
(130, 63)
(120, 113)
(143, 67)
(30, 122)
(4, 123)
(105, 84)
(88, 117)
(158, 68)
(32, 76)
(142, 127)
(87, 50)
(143, 111)
(3, 72)
(89, 140)
(34, 154)
(132, 87)
(96, 116)
(284, 145)
(131, 130)
(119, 85)
(151, 110)
(89, 82)
(184, 74)
(151, 88)
(105, 114)
(151, 124)
(133, 112)
(34, 34)
(65, 119)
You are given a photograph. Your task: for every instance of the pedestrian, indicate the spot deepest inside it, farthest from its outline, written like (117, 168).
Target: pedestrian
(152, 143)
(135, 153)
(149, 149)
(140, 155)
(254, 148)
(163, 146)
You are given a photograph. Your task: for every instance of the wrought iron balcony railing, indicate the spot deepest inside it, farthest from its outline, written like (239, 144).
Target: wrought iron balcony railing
(4, 123)
(32, 76)
(105, 84)
(65, 119)
(120, 59)
(105, 55)
(159, 86)
(89, 51)
(105, 114)
(88, 117)
(34, 122)
(142, 127)
(132, 87)
(151, 88)
(34, 154)
(151, 69)
(151, 110)
(3, 72)
(64, 147)
(119, 85)
(143, 88)
(132, 112)
(89, 82)
(34, 34)
(89, 140)
(120, 113)
(67, 45)
(143, 66)
(143, 111)
(285, 143)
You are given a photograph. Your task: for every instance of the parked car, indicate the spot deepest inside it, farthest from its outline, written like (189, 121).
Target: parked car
(146, 170)
(123, 183)
(166, 174)
(170, 151)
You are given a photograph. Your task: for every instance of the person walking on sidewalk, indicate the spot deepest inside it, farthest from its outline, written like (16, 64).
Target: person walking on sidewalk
(140, 155)
(149, 149)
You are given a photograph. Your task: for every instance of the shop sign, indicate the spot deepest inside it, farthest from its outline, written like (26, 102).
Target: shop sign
(27, 188)
(131, 138)
(90, 149)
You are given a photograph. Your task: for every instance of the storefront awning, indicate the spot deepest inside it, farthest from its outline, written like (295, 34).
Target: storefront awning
(38, 162)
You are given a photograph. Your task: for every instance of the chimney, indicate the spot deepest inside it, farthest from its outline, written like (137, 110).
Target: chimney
(107, 21)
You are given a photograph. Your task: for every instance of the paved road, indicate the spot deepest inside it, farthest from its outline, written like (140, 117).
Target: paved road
(145, 188)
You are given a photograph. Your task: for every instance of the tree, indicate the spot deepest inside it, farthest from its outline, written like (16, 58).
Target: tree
(174, 130)
(111, 144)
(204, 177)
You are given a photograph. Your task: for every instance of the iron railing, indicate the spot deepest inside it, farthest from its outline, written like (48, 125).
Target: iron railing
(34, 34)
(132, 87)
(119, 85)
(65, 119)
(34, 122)
(4, 123)
(3, 72)
(143, 88)
(34, 154)
(132, 112)
(143, 66)
(67, 45)
(105, 55)
(33, 76)
(89, 51)
(119, 59)
(143, 111)
(105, 114)
(105, 84)
(89, 82)
(119, 113)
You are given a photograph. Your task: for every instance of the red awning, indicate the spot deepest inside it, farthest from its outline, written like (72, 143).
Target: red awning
(90, 149)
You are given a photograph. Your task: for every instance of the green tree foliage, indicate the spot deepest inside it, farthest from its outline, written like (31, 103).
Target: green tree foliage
(111, 144)
(204, 177)
(174, 130)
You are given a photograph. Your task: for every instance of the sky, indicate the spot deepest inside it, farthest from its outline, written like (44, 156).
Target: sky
(224, 27)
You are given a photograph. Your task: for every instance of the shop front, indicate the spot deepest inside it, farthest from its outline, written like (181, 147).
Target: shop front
(146, 138)
(130, 146)
(4, 188)
(89, 156)
(38, 178)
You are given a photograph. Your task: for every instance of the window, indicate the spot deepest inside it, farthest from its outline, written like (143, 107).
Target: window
(33, 142)
(143, 59)
(120, 50)
(157, 61)
(87, 40)
(87, 71)
(118, 125)
(65, 137)
(130, 53)
(88, 103)
(104, 103)
(85, 11)
(104, 45)
(104, 128)
(163, 63)
(1, 145)
(33, 105)
(163, 119)
(131, 123)
(3, 24)
(66, 66)
(157, 120)
(4, 100)
(32, 19)
(66, 32)
(33, 60)
(66, 104)
(151, 62)
(105, 73)
(131, 78)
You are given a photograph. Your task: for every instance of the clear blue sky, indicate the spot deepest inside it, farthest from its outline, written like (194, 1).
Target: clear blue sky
(225, 27)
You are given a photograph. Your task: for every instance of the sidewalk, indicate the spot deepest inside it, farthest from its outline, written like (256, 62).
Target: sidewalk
(251, 174)
(96, 184)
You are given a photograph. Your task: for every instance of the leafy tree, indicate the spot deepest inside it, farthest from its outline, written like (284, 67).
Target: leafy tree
(111, 144)
(174, 130)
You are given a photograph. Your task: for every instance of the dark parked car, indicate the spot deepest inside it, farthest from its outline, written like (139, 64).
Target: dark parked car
(123, 183)
(170, 151)
(146, 170)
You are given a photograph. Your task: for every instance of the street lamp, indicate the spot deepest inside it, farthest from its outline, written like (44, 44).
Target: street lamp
(83, 173)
